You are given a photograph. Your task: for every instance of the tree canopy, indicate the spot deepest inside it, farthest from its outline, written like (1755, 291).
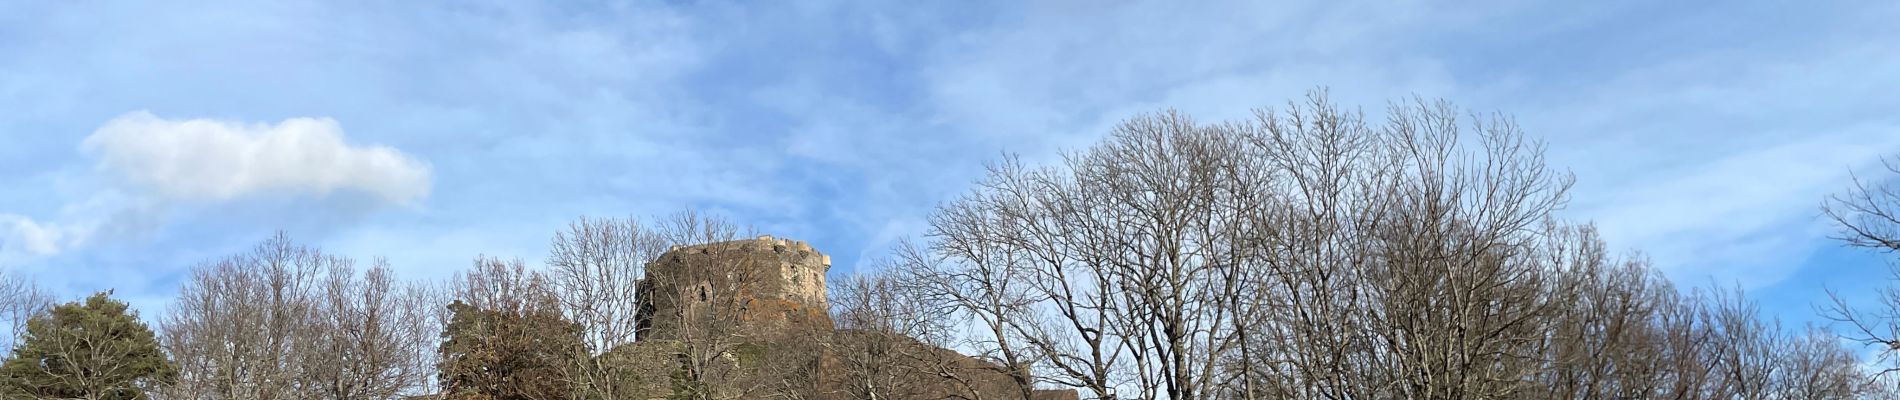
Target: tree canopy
(91, 349)
(509, 350)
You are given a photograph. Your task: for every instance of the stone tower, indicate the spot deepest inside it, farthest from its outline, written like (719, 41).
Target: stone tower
(764, 288)
(768, 295)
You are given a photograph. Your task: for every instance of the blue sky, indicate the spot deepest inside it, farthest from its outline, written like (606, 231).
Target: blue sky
(137, 139)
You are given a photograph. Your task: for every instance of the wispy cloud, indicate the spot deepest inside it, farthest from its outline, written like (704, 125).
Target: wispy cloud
(1702, 135)
(1713, 160)
(1706, 144)
(21, 235)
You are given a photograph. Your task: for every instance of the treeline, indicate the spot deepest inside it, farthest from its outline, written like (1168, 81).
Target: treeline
(287, 321)
(1303, 253)
(1309, 253)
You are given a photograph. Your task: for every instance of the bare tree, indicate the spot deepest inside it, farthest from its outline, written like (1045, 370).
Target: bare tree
(1816, 366)
(965, 269)
(1869, 212)
(1157, 215)
(706, 299)
(373, 336)
(688, 227)
(1149, 260)
(1612, 338)
(1311, 254)
(1049, 237)
(596, 266)
(495, 284)
(235, 330)
(1743, 348)
(1868, 215)
(890, 343)
(286, 321)
(21, 298)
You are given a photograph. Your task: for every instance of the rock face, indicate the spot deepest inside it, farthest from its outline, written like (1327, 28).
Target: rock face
(770, 286)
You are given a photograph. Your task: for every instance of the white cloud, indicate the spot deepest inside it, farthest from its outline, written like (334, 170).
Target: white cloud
(20, 234)
(215, 160)
(106, 212)
(208, 162)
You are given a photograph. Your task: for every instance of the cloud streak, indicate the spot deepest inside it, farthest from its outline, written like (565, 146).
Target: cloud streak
(22, 235)
(1704, 142)
(1701, 135)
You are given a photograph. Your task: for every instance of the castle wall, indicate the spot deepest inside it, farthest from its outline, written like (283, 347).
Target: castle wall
(771, 291)
(763, 287)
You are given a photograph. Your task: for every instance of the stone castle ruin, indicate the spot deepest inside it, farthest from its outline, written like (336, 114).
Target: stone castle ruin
(770, 286)
(771, 292)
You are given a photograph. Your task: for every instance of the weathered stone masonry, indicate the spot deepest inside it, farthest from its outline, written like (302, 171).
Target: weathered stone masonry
(780, 286)
(775, 288)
